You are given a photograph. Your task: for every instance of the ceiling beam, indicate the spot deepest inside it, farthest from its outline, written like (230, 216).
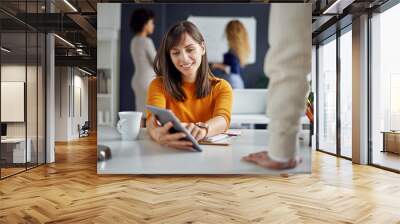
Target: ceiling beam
(84, 24)
(83, 61)
(337, 7)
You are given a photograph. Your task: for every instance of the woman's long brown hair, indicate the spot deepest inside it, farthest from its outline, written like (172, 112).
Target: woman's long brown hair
(171, 77)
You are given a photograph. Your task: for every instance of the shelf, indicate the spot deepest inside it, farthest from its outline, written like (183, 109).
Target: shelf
(104, 95)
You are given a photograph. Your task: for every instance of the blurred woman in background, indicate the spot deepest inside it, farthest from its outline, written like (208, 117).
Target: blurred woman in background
(236, 57)
(143, 53)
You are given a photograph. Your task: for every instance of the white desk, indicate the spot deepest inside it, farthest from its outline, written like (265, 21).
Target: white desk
(258, 119)
(147, 157)
(18, 150)
(249, 107)
(249, 119)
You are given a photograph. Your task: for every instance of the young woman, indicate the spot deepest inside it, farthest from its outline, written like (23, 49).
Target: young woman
(185, 85)
(236, 57)
(143, 53)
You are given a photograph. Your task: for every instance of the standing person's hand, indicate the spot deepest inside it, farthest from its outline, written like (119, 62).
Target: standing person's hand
(161, 135)
(197, 132)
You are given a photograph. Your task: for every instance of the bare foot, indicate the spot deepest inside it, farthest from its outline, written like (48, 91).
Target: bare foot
(262, 159)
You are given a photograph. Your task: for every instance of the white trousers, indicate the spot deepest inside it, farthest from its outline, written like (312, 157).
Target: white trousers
(287, 63)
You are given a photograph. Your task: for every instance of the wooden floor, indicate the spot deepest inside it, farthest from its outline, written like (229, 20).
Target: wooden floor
(10, 171)
(387, 159)
(70, 191)
(5, 172)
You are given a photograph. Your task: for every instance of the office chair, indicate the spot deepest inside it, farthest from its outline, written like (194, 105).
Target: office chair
(84, 130)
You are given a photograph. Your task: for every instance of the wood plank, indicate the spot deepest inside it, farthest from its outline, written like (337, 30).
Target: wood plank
(70, 191)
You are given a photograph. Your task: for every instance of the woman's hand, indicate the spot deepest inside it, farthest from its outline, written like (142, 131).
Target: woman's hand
(197, 132)
(161, 135)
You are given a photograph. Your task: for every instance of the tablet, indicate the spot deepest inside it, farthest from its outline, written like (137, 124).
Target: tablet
(164, 116)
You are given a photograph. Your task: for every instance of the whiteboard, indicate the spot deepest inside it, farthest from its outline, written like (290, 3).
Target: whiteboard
(213, 28)
(12, 101)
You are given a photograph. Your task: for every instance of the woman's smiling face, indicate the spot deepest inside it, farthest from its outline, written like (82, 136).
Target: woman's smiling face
(187, 56)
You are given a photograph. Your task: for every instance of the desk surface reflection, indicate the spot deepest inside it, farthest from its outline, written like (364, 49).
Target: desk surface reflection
(144, 156)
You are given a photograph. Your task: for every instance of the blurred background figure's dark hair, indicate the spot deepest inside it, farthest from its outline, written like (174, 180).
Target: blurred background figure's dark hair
(139, 19)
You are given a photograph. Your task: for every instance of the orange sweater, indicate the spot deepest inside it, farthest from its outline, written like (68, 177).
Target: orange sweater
(217, 103)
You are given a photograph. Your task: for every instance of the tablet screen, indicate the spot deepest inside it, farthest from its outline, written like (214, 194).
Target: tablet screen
(164, 116)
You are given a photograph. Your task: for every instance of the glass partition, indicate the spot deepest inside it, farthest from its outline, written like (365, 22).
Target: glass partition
(346, 93)
(385, 89)
(14, 152)
(31, 97)
(41, 89)
(22, 64)
(327, 96)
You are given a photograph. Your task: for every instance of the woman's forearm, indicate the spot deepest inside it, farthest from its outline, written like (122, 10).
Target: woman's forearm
(216, 125)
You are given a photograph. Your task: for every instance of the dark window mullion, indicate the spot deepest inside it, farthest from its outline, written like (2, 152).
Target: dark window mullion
(26, 86)
(44, 71)
(316, 99)
(0, 96)
(37, 90)
(338, 91)
(369, 83)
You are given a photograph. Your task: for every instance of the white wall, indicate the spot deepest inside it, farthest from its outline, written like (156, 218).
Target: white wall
(68, 82)
(108, 18)
(79, 117)
(17, 73)
(33, 126)
(82, 82)
(13, 72)
(61, 103)
(108, 29)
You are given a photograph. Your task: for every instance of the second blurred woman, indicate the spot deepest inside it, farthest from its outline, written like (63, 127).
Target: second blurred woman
(236, 57)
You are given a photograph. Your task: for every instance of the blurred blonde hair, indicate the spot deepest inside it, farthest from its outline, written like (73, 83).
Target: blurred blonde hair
(238, 40)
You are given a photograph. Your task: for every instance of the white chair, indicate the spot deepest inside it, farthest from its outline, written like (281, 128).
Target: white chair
(250, 106)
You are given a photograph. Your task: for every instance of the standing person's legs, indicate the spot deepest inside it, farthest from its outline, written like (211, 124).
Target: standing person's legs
(140, 103)
(140, 100)
(288, 63)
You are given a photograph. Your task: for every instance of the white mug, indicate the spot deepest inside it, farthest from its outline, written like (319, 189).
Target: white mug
(129, 124)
